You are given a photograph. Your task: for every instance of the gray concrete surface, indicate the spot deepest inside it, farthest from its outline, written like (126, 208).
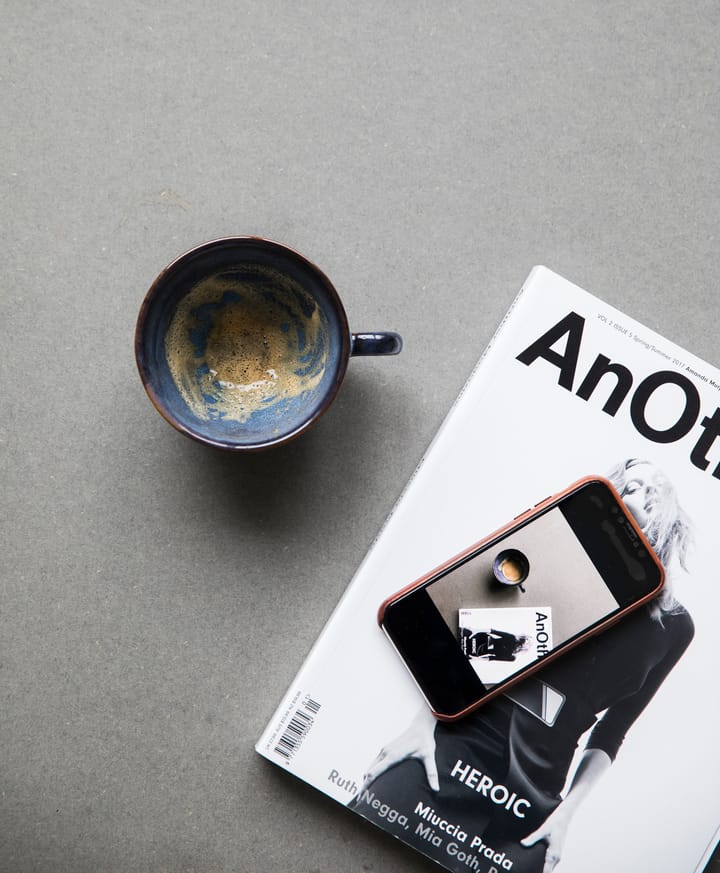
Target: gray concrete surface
(158, 597)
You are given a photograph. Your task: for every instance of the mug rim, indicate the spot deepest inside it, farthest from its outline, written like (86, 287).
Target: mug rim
(146, 376)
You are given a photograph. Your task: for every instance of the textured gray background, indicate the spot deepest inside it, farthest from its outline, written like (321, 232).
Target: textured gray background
(158, 597)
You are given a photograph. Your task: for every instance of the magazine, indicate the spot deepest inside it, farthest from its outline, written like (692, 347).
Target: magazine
(605, 759)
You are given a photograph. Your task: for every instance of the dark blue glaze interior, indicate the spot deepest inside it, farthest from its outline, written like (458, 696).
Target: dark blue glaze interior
(279, 421)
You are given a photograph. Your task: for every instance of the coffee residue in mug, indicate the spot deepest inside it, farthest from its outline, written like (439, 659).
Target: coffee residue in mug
(245, 340)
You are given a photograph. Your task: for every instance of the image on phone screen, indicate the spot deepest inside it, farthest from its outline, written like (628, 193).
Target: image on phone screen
(503, 626)
(497, 611)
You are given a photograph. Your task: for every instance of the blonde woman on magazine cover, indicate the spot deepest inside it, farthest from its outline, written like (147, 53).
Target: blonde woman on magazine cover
(604, 685)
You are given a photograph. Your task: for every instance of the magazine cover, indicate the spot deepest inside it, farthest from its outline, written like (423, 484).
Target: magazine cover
(606, 758)
(499, 641)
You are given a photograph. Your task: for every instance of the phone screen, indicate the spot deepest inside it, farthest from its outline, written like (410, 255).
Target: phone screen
(521, 596)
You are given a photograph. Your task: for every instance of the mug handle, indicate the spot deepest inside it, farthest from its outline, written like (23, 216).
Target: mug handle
(382, 343)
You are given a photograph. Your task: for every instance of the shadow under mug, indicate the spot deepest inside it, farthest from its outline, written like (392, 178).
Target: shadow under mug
(242, 343)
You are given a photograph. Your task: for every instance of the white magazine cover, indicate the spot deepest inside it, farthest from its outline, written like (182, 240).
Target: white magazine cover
(607, 759)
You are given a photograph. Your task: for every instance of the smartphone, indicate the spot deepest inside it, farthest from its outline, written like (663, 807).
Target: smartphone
(494, 614)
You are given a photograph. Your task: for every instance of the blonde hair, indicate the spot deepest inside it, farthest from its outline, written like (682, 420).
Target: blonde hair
(669, 529)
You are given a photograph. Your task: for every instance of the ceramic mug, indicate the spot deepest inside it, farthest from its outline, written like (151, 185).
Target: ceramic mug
(242, 343)
(511, 567)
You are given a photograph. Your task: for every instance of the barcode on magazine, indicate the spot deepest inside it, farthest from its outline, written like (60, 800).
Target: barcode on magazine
(298, 727)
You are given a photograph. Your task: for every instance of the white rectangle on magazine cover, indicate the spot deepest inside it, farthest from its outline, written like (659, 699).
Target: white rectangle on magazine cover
(568, 387)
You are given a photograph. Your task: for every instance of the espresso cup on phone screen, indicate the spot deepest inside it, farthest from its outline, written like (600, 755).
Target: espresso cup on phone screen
(242, 343)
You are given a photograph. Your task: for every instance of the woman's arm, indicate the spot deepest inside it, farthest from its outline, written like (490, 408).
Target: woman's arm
(593, 764)
(417, 741)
